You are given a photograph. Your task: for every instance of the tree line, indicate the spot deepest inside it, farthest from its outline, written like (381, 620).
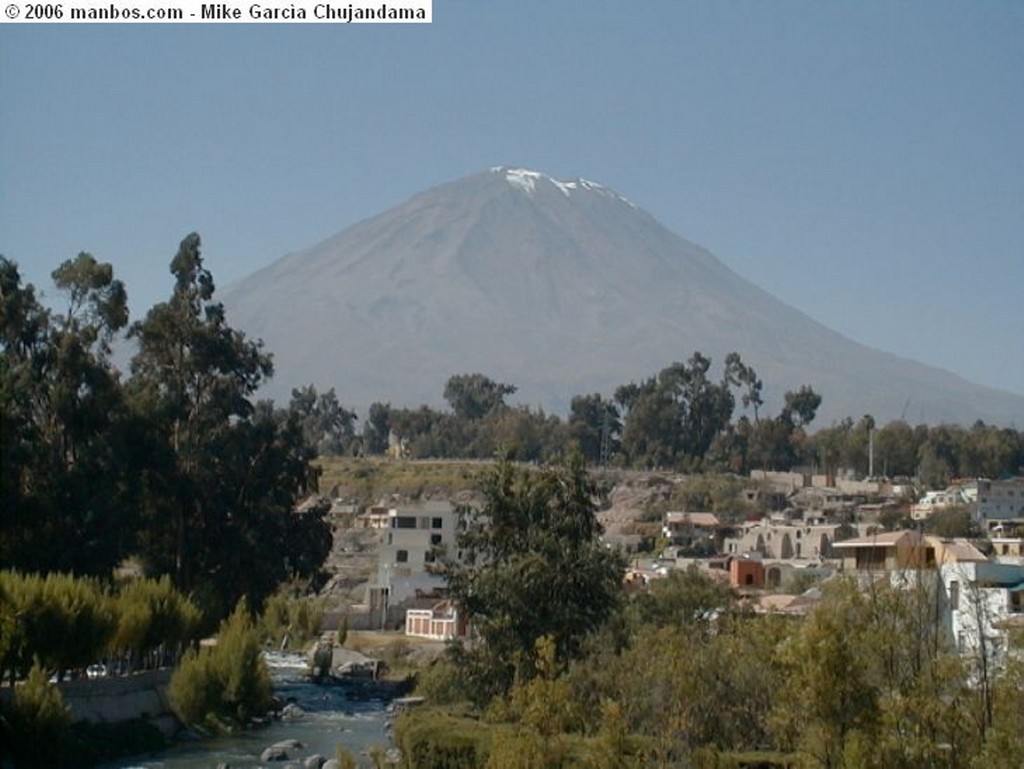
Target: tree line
(683, 418)
(174, 465)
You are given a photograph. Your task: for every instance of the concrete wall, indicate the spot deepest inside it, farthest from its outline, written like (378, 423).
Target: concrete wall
(114, 699)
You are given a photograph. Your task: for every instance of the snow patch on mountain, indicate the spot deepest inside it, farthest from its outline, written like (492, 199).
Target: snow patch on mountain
(526, 180)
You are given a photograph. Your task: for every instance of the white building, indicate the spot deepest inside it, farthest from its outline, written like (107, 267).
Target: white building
(1000, 500)
(932, 501)
(417, 539)
(986, 600)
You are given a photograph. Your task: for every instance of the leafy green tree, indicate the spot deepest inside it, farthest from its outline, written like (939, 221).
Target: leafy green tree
(952, 522)
(687, 599)
(327, 427)
(830, 691)
(741, 375)
(801, 406)
(526, 435)
(595, 426)
(896, 449)
(59, 622)
(532, 566)
(64, 423)
(152, 615)
(222, 475)
(376, 428)
(473, 396)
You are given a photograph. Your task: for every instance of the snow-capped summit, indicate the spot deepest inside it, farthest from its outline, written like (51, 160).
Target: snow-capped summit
(527, 180)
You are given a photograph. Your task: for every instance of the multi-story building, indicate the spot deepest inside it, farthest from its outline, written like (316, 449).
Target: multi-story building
(1000, 500)
(416, 540)
(980, 601)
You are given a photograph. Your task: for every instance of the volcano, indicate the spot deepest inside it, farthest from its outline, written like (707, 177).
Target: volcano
(560, 288)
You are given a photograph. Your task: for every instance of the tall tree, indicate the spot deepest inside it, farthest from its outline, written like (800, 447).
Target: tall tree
(327, 426)
(224, 476)
(595, 426)
(674, 418)
(473, 396)
(63, 422)
(532, 566)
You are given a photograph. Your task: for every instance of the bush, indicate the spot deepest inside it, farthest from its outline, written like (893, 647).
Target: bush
(287, 616)
(225, 685)
(34, 726)
(58, 620)
(152, 614)
(432, 740)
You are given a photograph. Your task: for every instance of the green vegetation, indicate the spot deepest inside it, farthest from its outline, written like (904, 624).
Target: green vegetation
(291, 618)
(222, 687)
(533, 567)
(369, 479)
(684, 675)
(34, 726)
(174, 466)
(64, 623)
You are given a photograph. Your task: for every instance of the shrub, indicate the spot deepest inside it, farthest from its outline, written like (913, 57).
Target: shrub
(34, 726)
(225, 685)
(431, 740)
(297, 618)
(58, 620)
(152, 614)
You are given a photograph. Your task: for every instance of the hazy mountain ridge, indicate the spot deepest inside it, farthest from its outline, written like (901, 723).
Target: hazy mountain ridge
(560, 288)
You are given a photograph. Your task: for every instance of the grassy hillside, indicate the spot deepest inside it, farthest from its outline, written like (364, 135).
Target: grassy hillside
(365, 480)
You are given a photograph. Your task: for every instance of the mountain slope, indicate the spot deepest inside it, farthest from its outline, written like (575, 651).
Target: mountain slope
(560, 288)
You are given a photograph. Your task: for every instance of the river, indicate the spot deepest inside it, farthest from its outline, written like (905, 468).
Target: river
(355, 717)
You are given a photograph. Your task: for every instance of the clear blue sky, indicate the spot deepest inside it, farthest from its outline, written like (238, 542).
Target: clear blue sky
(863, 161)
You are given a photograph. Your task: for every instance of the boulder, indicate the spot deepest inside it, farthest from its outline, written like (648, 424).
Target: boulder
(273, 754)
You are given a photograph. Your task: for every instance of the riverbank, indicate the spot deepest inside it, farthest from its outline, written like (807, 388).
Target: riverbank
(314, 719)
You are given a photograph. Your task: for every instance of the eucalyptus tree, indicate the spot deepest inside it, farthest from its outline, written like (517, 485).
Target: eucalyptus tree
(674, 418)
(222, 476)
(64, 422)
(595, 425)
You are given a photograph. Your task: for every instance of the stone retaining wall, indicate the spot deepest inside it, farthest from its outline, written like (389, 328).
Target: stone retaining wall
(140, 696)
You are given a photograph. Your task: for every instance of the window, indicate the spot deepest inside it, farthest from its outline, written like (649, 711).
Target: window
(403, 522)
(402, 556)
(435, 539)
(436, 523)
(954, 595)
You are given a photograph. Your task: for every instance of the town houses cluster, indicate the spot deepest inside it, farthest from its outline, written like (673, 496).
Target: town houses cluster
(808, 529)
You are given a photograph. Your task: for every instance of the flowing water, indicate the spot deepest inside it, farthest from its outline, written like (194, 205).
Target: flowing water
(355, 717)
